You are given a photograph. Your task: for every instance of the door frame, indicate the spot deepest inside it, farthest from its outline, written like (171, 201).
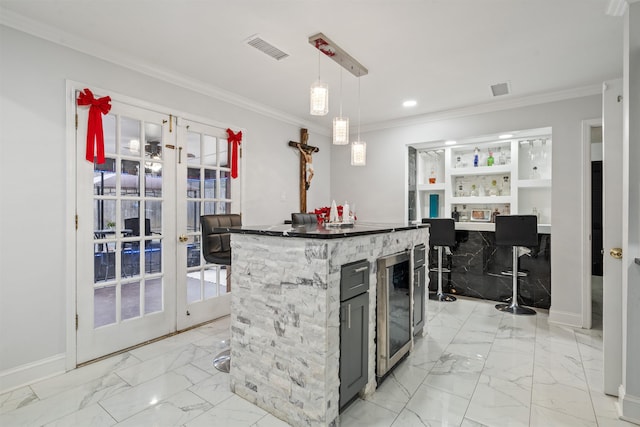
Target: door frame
(586, 221)
(71, 86)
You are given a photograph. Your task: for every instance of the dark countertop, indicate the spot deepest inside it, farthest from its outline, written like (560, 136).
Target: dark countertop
(319, 232)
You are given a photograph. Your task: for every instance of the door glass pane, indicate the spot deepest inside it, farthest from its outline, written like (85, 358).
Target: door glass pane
(225, 185)
(153, 179)
(223, 152)
(130, 136)
(193, 216)
(193, 183)
(193, 147)
(104, 178)
(153, 141)
(210, 183)
(153, 256)
(104, 218)
(153, 216)
(130, 259)
(105, 306)
(153, 295)
(130, 178)
(104, 262)
(109, 132)
(194, 293)
(209, 208)
(209, 151)
(130, 300)
(193, 251)
(224, 208)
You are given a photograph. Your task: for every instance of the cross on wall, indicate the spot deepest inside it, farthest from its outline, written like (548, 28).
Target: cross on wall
(306, 165)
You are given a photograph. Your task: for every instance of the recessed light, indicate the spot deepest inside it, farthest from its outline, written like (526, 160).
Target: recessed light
(450, 142)
(505, 136)
(410, 103)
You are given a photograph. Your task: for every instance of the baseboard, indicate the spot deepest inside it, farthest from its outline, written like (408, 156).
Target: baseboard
(29, 373)
(628, 406)
(565, 318)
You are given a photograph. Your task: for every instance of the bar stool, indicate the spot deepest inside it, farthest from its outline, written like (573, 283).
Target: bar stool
(516, 231)
(442, 233)
(216, 249)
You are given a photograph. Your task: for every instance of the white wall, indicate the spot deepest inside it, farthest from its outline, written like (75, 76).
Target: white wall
(379, 189)
(33, 185)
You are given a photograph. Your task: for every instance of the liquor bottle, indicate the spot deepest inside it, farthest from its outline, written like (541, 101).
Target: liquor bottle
(475, 158)
(432, 177)
(455, 214)
(490, 159)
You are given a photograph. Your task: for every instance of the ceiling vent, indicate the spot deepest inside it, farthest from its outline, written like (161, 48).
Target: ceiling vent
(266, 47)
(500, 89)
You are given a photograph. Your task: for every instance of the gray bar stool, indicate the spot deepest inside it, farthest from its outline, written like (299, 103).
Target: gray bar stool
(442, 233)
(516, 231)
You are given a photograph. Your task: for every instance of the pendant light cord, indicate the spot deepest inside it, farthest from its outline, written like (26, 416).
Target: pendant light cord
(358, 108)
(340, 92)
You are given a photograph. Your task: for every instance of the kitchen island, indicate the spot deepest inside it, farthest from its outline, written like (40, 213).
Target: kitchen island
(286, 313)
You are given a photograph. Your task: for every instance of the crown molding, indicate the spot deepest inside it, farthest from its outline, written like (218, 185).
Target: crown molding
(63, 38)
(489, 107)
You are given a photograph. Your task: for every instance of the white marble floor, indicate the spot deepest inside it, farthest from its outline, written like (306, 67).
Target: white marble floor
(477, 367)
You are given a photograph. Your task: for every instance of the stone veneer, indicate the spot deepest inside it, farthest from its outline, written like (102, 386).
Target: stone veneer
(285, 343)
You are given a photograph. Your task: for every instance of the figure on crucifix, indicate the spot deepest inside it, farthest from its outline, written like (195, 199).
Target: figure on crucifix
(306, 165)
(308, 159)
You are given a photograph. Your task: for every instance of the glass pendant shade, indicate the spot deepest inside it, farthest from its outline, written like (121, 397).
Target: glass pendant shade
(340, 130)
(359, 153)
(319, 99)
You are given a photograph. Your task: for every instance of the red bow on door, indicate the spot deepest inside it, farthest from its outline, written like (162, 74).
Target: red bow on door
(94, 125)
(235, 139)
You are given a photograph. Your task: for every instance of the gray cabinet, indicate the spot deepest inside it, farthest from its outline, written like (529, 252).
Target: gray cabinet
(354, 329)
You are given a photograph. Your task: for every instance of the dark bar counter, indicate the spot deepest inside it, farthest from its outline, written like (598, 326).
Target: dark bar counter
(476, 265)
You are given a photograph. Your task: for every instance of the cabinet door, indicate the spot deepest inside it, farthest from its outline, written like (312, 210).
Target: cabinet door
(354, 348)
(418, 299)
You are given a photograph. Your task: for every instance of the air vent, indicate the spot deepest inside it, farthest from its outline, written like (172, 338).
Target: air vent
(266, 47)
(500, 89)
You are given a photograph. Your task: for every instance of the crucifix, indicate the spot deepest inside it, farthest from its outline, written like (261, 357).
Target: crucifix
(306, 165)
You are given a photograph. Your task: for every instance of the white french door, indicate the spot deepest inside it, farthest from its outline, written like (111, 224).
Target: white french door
(204, 186)
(140, 273)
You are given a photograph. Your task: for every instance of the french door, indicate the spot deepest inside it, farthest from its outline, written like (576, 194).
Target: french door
(140, 272)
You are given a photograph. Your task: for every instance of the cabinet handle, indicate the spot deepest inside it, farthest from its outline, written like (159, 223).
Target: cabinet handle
(358, 270)
(348, 316)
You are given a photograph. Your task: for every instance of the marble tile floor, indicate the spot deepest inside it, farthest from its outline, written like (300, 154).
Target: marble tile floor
(477, 367)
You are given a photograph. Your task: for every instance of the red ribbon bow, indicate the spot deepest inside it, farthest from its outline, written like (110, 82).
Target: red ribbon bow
(235, 139)
(94, 125)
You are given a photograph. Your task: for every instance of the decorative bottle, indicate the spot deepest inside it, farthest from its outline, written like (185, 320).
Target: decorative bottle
(475, 157)
(490, 159)
(432, 177)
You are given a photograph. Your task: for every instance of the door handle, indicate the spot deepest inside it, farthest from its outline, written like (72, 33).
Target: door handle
(616, 253)
(183, 238)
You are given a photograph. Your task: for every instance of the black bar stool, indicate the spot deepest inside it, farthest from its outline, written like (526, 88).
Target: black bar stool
(442, 233)
(516, 231)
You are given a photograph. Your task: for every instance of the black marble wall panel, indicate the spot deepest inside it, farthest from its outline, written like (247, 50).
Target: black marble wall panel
(476, 265)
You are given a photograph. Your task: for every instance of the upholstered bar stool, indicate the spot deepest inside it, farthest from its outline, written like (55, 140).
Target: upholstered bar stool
(442, 233)
(303, 219)
(516, 231)
(216, 249)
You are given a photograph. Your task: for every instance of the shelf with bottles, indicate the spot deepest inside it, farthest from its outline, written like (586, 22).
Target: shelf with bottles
(430, 167)
(494, 185)
(438, 186)
(478, 212)
(534, 183)
(496, 154)
(534, 159)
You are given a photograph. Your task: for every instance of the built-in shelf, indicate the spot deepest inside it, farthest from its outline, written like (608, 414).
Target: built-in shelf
(481, 170)
(481, 200)
(431, 187)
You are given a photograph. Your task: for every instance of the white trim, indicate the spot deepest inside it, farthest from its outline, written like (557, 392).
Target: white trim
(70, 229)
(71, 41)
(565, 318)
(29, 373)
(628, 406)
(585, 268)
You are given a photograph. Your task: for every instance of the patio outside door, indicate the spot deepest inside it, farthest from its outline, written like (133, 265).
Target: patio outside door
(140, 271)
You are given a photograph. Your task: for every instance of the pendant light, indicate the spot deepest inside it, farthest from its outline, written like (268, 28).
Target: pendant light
(319, 94)
(358, 147)
(340, 124)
